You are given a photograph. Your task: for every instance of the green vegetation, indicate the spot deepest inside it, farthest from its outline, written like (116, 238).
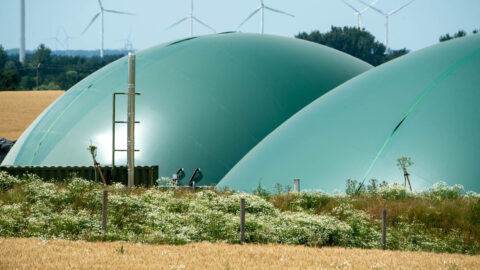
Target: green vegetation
(361, 43)
(51, 72)
(356, 42)
(441, 219)
(460, 33)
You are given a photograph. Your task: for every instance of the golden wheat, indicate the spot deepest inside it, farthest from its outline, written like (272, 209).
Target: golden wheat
(19, 253)
(18, 109)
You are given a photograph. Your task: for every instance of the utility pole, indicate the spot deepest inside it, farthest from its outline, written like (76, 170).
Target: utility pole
(406, 174)
(38, 66)
(403, 163)
(131, 120)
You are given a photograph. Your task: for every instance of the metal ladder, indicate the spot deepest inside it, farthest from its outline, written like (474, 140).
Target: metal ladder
(114, 122)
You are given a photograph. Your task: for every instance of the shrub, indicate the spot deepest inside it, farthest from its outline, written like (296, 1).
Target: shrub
(442, 190)
(30, 207)
(395, 191)
(260, 191)
(311, 201)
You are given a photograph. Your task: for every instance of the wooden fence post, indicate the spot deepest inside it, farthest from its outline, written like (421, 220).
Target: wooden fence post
(104, 213)
(384, 229)
(242, 221)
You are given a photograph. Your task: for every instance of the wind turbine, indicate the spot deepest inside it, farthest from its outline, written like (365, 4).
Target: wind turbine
(192, 18)
(359, 13)
(262, 8)
(55, 40)
(21, 51)
(100, 13)
(66, 39)
(127, 43)
(387, 15)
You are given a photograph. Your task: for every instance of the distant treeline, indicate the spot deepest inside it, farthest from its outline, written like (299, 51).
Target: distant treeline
(362, 44)
(44, 69)
(81, 53)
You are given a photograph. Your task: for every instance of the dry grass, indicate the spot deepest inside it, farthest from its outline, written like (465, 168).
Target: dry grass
(18, 109)
(61, 254)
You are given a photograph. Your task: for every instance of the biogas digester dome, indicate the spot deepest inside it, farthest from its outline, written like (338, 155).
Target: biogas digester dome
(204, 103)
(423, 105)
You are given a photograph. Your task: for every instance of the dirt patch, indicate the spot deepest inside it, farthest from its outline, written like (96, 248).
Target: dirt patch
(18, 109)
(20, 253)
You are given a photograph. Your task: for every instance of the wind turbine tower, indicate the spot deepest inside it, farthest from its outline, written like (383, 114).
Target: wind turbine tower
(262, 8)
(100, 13)
(21, 54)
(192, 18)
(387, 15)
(359, 13)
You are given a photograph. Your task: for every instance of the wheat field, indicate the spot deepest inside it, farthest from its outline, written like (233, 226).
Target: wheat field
(18, 109)
(21, 253)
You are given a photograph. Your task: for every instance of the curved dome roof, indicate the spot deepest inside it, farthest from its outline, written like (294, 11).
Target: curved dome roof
(423, 105)
(204, 103)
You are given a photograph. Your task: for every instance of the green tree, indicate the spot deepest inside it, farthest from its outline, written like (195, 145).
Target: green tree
(3, 57)
(404, 162)
(354, 41)
(460, 33)
(49, 86)
(71, 77)
(41, 60)
(54, 71)
(9, 77)
(42, 56)
(26, 83)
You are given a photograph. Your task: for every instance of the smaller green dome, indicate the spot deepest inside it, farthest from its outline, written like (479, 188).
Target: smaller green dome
(423, 106)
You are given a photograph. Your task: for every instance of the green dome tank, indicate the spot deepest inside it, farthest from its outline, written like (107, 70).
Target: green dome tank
(423, 106)
(204, 103)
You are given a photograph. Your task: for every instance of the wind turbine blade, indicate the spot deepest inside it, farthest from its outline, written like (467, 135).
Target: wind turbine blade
(372, 7)
(249, 16)
(371, 4)
(352, 7)
(204, 24)
(279, 11)
(100, 4)
(180, 21)
(118, 12)
(398, 9)
(91, 21)
(64, 32)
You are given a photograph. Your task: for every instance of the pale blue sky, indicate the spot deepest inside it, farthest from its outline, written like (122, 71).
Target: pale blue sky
(417, 26)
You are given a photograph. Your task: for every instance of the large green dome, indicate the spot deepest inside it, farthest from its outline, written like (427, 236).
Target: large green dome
(204, 103)
(424, 105)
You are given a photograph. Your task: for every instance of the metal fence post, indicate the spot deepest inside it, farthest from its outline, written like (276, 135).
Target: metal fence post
(242, 221)
(296, 185)
(104, 213)
(384, 229)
